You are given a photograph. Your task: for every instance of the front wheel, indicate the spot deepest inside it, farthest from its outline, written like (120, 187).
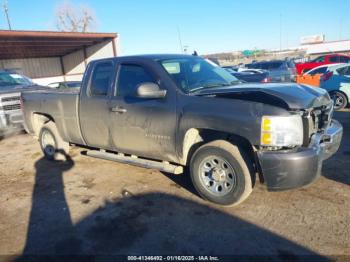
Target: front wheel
(51, 143)
(222, 173)
(340, 100)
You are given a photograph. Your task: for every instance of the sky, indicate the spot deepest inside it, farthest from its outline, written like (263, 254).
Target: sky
(207, 26)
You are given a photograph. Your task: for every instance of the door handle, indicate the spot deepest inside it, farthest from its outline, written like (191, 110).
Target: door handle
(118, 109)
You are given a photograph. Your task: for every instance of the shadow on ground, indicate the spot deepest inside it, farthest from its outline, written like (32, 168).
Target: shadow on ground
(337, 168)
(147, 224)
(9, 133)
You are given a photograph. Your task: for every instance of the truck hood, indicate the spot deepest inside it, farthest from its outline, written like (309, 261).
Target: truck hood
(20, 88)
(289, 95)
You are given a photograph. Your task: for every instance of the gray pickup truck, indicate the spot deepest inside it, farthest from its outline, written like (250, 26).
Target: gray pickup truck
(171, 111)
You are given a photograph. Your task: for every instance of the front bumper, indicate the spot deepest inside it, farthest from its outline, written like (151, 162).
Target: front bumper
(284, 170)
(10, 121)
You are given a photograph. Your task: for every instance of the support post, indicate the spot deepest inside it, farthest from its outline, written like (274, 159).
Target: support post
(62, 68)
(114, 47)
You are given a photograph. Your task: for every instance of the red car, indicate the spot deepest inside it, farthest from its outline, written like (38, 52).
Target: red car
(321, 60)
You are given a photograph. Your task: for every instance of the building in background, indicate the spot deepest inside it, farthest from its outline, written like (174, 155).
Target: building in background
(331, 47)
(48, 57)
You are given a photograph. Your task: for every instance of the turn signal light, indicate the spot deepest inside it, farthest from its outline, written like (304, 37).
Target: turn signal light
(266, 138)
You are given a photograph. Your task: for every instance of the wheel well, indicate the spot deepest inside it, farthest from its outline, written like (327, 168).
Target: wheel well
(194, 138)
(38, 120)
(339, 91)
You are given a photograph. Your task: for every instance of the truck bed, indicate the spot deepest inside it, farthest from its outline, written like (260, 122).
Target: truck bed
(61, 105)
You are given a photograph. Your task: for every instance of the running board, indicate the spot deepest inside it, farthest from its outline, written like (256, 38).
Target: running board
(134, 160)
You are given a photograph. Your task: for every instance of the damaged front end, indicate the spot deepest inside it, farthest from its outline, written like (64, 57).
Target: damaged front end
(293, 144)
(287, 168)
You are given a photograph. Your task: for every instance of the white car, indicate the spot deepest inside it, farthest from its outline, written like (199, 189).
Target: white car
(323, 69)
(337, 82)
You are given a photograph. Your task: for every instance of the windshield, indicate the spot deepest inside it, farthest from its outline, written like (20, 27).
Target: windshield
(194, 73)
(319, 59)
(13, 79)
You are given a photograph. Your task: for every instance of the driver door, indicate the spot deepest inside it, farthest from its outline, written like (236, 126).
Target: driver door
(142, 126)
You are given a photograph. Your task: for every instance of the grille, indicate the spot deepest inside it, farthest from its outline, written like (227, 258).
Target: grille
(11, 107)
(322, 117)
(10, 98)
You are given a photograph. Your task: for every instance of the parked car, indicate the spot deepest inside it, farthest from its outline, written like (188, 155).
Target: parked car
(337, 82)
(233, 68)
(158, 112)
(320, 70)
(65, 85)
(279, 70)
(11, 86)
(321, 60)
(250, 75)
(313, 77)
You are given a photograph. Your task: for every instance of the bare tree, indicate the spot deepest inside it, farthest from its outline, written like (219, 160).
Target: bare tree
(72, 18)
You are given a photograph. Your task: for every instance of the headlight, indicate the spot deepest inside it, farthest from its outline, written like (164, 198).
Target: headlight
(281, 131)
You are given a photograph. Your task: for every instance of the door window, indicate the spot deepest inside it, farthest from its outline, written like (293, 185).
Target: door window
(334, 59)
(319, 59)
(101, 80)
(321, 70)
(345, 71)
(130, 77)
(343, 59)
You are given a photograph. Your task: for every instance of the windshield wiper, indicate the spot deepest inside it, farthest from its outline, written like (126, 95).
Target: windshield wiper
(236, 82)
(214, 85)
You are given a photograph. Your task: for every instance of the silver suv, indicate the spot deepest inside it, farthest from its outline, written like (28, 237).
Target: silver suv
(279, 70)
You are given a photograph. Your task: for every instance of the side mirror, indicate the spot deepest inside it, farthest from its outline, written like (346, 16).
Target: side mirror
(150, 90)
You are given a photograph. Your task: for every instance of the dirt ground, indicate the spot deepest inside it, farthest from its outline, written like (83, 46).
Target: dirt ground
(92, 206)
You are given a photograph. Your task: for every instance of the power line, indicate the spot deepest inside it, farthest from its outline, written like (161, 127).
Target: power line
(280, 32)
(180, 41)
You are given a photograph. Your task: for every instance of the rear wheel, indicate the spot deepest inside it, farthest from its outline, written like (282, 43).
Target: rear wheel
(340, 100)
(222, 173)
(51, 143)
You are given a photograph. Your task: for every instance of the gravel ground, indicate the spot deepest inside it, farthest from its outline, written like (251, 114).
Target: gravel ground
(91, 206)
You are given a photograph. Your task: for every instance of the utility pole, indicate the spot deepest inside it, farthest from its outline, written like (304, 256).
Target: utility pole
(280, 32)
(180, 41)
(340, 27)
(6, 10)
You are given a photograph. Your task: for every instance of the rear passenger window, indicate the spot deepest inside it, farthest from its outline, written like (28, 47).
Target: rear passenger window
(334, 59)
(275, 65)
(101, 79)
(130, 76)
(321, 70)
(343, 59)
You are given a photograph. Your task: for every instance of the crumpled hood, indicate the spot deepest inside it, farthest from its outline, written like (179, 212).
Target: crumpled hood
(294, 96)
(20, 88)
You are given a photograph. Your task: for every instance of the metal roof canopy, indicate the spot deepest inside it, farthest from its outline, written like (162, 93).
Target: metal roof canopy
(34, 44)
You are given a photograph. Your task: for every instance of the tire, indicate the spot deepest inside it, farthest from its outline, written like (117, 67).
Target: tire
(234, 172)
(340, 100)
(51, 143)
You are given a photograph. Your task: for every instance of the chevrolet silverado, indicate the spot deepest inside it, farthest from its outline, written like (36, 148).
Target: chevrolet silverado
(168, 112)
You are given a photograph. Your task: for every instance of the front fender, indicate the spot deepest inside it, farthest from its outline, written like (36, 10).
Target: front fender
(231, 116)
